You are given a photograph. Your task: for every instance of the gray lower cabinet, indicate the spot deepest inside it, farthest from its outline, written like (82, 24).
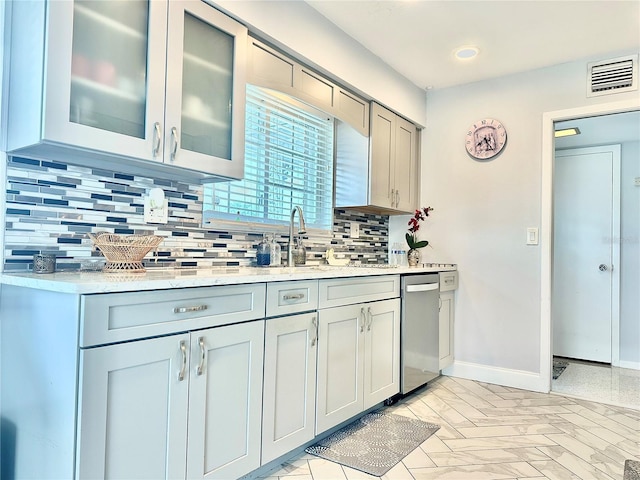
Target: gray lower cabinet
(208, 382)
(358, 359)
(289, 397)
(141, 401)
(446, 317)
(132, 385)
(448, 285)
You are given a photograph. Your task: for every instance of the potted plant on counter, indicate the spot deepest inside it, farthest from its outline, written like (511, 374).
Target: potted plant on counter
(413, 255)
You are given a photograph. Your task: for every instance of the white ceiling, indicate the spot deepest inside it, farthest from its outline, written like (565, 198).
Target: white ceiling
(417, 37)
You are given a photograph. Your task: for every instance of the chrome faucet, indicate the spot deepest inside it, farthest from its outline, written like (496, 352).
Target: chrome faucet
(301, 229)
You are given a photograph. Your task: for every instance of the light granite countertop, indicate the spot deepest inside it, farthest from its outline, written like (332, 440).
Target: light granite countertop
(161, 279)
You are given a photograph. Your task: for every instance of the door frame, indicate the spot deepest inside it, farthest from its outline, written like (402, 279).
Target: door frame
(614, 149)
(546, 216)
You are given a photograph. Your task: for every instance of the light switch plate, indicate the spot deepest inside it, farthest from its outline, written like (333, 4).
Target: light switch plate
(532, 236)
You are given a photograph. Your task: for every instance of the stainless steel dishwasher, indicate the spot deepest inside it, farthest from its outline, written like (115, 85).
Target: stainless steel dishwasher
(419, 330)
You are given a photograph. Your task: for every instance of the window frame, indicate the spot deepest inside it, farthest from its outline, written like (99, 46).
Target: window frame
(216, 219)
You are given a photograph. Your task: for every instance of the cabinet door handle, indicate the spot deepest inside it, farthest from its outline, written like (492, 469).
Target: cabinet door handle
(397, 197)
(369, 319)
(293, 296)
(174, 143)
(183, 350)
(392, 195)
(314, 322)
(194, 308)
(363, 318)
(157, 136)
(203, 353)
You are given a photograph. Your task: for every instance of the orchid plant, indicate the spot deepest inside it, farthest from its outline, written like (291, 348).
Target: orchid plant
(414, 226)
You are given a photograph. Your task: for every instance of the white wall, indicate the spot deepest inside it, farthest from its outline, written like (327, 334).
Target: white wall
(630, 256)
(299, 29)
(482, 211)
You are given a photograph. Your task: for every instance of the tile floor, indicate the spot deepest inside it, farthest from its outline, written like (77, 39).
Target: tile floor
(493, 432)
(611, 385)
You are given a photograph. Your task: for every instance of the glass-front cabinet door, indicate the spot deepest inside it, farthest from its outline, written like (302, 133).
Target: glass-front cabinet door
(206, 54)
(105, 78)
(147, 79)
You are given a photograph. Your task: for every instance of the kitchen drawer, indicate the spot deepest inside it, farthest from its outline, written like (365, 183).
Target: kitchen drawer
(117, 317)
(347, 291)
(284, 298)
(448, 281)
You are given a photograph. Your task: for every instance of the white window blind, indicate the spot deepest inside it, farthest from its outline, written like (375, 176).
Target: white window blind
(288, 162)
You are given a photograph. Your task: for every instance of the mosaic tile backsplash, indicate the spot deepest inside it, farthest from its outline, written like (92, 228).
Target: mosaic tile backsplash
(51, 206)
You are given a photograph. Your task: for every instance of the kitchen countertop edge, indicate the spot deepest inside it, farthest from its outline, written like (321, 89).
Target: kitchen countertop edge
(86, 282)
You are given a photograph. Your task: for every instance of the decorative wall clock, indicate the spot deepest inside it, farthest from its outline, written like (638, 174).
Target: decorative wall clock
(485, 139)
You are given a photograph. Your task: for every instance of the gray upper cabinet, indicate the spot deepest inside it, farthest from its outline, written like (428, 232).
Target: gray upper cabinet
(149, 86)
(393, 161)
(272, 69)
(380, 175)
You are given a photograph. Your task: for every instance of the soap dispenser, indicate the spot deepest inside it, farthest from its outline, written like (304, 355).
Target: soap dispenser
(263, 255)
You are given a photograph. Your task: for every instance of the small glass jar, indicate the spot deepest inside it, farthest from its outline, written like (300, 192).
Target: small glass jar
(299, 253)
(44, 263)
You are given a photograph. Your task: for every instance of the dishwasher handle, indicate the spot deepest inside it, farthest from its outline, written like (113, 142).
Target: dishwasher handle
(423, 287)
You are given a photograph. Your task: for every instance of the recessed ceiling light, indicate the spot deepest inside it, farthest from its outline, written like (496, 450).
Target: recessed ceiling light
(567, 132)
(466, 52)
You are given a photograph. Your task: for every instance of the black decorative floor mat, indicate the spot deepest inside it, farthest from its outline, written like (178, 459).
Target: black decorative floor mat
(558, 368)
(631, 470)
(374, 443)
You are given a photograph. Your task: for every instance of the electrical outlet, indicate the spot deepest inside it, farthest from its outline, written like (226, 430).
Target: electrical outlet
(156, 207)
(636, 181)
(354, 230)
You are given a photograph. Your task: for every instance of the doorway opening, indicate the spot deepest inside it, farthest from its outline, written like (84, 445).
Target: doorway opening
(548, 301)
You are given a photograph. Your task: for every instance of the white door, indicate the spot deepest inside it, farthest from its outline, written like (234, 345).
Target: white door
(225, 401)
(586, 207)
(289, 384)
(133, 409)
(340, 364)
(382, 351)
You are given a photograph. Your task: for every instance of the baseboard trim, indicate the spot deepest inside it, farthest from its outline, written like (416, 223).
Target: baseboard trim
(631, 365)
(499, 376)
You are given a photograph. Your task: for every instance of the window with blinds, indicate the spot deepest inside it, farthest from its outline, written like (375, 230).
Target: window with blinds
(288, 162)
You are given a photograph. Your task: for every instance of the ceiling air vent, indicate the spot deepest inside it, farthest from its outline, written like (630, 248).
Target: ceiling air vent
(616, 75)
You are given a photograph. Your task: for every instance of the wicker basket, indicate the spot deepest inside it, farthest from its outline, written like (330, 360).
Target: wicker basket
(124, 253)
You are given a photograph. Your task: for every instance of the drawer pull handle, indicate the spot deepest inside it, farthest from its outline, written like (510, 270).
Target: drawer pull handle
(370, 319)
(293, 296)
(195, 308)
(203, 351)
(183, 350)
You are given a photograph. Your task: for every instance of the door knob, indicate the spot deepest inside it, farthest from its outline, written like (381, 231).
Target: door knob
(602, 267)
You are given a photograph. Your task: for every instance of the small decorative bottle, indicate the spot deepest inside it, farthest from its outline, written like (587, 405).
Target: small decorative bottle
(276, 252)
(299, 253)
(263, 255)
